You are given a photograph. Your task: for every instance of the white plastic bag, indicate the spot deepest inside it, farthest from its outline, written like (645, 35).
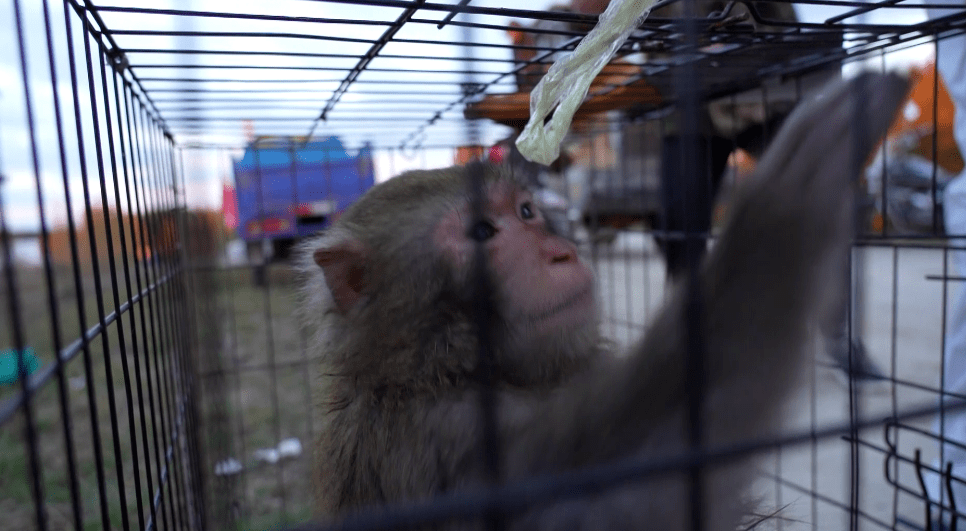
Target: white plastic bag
(566, 83)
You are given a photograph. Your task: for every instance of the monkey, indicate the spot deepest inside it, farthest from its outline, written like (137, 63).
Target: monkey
(390, 293)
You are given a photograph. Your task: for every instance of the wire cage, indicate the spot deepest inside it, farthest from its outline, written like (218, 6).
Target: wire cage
(159, 162)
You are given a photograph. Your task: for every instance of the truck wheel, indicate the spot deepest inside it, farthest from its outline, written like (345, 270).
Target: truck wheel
(254, 252)
(282, 249)
(256, 260)
(258, 275)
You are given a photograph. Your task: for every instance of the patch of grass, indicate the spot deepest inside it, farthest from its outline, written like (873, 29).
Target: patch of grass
(254, 382)
(161, 314)
(259, 381)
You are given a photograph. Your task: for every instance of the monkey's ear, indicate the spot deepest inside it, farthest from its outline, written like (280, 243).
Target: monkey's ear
(344, 268)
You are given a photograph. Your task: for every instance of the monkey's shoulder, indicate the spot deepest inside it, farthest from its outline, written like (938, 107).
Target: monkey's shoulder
(377, 451)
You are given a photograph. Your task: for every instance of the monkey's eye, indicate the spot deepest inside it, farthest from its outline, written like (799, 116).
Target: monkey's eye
(526, 210)
(481, 231)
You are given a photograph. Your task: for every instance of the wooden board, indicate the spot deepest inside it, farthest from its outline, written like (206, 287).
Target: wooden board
(612, 89)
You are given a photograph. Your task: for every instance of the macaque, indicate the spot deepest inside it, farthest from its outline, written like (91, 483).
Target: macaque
(391, 294)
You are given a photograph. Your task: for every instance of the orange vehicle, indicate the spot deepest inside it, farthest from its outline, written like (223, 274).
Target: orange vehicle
(909, 162)
(908, 187)
(916, 121)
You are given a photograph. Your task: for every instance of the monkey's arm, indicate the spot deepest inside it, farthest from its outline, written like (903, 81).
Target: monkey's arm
(759, 290)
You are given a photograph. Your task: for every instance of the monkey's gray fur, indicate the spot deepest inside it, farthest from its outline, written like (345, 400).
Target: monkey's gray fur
(401, 419)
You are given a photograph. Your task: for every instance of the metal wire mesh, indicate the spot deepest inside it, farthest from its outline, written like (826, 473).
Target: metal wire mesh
(175, 390)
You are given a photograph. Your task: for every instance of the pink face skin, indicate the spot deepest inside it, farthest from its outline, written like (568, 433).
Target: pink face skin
(542, 282)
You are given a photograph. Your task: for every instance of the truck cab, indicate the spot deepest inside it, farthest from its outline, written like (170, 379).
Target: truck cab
(288, 189)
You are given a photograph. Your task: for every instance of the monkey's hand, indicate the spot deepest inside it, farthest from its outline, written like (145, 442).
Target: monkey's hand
(803, 184)
(784, 249)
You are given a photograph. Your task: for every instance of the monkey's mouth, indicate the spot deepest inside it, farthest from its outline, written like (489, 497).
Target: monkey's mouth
(581, 299)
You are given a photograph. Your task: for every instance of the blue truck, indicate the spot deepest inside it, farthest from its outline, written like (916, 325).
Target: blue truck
(288, 189)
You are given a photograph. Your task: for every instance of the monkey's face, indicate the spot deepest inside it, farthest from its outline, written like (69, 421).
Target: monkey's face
(543, 287)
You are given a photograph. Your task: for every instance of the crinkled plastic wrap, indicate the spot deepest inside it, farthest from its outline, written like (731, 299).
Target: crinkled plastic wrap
(569, 79)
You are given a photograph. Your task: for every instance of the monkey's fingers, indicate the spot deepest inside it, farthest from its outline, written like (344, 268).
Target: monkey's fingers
(804, 118)
(805, 180)
(856, 111)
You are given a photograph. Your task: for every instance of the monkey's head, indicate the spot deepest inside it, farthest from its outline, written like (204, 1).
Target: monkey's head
(399, 266)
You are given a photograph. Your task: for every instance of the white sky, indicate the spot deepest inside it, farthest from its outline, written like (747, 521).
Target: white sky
(206, 170)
